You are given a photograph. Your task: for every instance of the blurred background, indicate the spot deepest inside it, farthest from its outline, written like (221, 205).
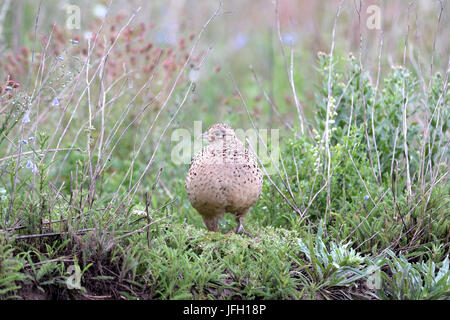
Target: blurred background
(246, 34)
(144, 36)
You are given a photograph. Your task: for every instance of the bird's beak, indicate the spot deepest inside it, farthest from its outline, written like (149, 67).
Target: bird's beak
(204, 135)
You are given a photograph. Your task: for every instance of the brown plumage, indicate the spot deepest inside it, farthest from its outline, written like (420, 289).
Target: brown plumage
(223, 177)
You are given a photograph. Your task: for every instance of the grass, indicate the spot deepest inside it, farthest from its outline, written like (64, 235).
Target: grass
(92, 205)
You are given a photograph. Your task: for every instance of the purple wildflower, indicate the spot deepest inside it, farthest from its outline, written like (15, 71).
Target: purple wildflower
(30, 164)
(55, 102)
(26, 117)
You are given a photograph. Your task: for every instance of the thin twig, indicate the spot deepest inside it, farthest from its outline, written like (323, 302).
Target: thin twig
(38, 151)
(328, 114)
(140, 229)
(53, 234)
(368, 215)
(290, 71)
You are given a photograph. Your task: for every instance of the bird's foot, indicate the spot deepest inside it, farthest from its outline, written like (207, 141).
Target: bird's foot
(240, 229)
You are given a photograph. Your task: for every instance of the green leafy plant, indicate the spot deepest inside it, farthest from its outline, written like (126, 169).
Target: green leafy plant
(414, 281)
(338, 266)
(10, 270)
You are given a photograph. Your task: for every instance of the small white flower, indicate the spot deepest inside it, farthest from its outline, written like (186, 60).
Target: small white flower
(194, 75)
(139, 212)
(100, 11)
(88, 35)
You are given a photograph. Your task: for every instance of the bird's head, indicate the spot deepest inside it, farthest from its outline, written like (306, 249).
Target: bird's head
(219, 132)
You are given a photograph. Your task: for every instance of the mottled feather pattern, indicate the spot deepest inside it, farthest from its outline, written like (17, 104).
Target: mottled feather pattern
(223, 177)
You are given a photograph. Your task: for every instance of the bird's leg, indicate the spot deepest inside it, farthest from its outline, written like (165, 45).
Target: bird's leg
(212, 223)
(240, 228)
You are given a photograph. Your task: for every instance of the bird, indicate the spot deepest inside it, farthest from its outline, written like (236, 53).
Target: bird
(223, 177)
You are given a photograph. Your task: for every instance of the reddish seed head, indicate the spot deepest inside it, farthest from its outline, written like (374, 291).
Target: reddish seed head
(24, 51)
(181, 44)
(147, 48)
(44, 40)
(288, 100)
(167, 64)
(9, 69)
(141, 28)
(129, 31)
(119, 17)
